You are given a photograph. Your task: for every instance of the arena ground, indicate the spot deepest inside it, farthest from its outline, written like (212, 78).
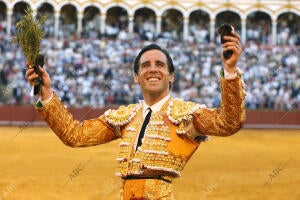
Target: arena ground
(253, 164)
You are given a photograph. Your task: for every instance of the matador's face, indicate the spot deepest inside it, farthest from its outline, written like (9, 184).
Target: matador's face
(153, 75)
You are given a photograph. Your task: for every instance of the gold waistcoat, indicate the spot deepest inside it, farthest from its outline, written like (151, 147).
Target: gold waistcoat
(165, 148)
(167, 144)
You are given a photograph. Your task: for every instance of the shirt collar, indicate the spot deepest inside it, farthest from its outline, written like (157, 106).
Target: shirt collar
(155, 107)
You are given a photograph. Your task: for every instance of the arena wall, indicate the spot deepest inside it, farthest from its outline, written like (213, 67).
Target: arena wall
(24, 116)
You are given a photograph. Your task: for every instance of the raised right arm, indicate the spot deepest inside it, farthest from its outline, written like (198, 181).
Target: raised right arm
(72, 132)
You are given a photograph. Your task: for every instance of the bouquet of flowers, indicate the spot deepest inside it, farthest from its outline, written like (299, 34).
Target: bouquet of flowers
(29, 32)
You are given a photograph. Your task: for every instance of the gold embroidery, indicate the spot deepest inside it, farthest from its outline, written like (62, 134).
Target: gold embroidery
(126, 153)
(152, 157)
(157, 189)
(146, 189)
(72, 132)
(123, 115)
(166, 148)
(179, 110)
(229, 118)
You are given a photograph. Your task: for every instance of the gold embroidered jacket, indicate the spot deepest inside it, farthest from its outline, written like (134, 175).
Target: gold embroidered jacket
(171, 137)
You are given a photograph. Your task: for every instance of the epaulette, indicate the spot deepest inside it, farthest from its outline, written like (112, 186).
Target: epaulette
(121, 116)
(179, 110)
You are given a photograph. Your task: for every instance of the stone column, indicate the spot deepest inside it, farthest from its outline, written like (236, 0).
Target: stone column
(130, 24)
(185, 28)
(212, 30)
(56, 23)
(158, 25)
(103, 24)
(243, 33)
(8, 22)
(79, 23)
(274, 32)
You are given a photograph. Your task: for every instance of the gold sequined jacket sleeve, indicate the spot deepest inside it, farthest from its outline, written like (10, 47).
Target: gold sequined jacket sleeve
(72, 132)
(227, 119)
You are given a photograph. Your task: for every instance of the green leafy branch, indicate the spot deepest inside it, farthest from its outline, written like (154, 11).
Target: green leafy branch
(29, 32)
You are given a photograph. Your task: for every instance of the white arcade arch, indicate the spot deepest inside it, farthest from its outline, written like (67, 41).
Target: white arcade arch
(272, 8)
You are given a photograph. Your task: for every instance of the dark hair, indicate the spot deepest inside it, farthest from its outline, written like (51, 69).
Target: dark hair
(152, 47)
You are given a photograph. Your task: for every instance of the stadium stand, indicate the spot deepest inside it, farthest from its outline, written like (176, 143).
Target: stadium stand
(92, 65)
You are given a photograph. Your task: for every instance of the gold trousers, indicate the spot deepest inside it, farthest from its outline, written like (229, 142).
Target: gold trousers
(146, 189)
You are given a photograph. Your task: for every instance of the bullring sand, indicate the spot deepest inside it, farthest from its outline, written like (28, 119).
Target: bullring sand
(252, 164)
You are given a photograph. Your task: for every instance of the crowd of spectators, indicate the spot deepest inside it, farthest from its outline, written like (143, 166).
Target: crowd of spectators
(99, 72)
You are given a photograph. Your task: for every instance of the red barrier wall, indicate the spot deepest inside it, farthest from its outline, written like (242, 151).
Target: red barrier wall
(14, 115)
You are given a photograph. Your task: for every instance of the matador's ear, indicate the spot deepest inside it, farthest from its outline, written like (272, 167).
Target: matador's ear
(171, 78)
(136, 78)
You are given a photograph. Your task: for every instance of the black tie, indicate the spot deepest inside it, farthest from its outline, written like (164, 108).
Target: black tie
(142, 132)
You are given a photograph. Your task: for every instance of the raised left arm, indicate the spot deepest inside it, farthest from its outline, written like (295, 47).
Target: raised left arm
(227, 119)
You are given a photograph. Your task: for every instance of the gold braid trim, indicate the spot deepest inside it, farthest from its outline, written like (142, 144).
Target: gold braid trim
(179, 110)
(123, 115)
(233, 100)
(227, 119)
(72, 132)
(181, 113)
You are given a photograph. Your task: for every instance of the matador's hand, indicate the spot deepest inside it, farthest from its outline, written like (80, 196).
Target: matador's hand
(46, 90)
(232, 43)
